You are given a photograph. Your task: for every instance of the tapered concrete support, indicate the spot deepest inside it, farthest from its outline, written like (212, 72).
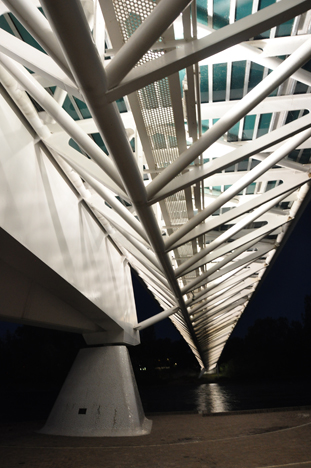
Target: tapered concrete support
(99, 397)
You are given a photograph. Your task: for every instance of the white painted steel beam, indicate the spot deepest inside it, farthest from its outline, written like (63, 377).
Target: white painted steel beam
(228, 36)
(39, 28)
(36, 61)
(269, 162)
(142, 39)
(70, 25)
(252, 148)
(263, 89)
(222, 238)
(200, 235)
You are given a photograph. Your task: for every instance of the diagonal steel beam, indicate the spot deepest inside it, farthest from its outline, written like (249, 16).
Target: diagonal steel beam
(247, 179)
(257, 94)
(142, 39)
(61, 116)
(229, 233)
(250, 149)
(69, 23)
(297, 180)
(188, 54)
(38, 26)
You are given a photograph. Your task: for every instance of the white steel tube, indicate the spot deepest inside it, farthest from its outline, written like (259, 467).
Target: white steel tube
(213, 285)
(69, 23)
(110, 199)
(38, 26)
(140, 247)
(195, 51)
(247, 179)
(235, 277)
(156, 318)
(142, 39)
(59, 96)
(229, 233)
(218, 265)
(24, 103)
(217, 301)
(61, 117)
(251, 149)
(262, 90)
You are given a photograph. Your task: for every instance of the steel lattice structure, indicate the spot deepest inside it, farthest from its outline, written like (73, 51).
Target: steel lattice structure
(184, 126)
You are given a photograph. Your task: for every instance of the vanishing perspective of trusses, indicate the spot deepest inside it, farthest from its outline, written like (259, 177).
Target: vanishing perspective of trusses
(184, 126)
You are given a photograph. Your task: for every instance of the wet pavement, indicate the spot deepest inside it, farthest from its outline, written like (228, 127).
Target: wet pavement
(248, 440)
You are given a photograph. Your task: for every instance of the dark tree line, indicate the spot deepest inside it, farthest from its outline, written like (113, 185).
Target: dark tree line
(271, 348)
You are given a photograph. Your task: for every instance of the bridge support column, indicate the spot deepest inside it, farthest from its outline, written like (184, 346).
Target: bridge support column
(99, 397)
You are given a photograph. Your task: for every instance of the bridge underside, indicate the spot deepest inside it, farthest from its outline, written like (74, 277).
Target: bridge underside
(169, 136)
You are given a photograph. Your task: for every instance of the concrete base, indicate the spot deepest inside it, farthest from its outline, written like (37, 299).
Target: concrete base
(99, 397)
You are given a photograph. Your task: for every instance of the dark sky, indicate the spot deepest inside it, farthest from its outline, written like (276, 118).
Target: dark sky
(281, 294)
(288, 281)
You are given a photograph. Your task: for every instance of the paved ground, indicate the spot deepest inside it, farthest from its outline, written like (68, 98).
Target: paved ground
(275, 439)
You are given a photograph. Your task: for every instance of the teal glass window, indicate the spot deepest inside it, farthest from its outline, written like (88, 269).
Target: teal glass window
(216, 190)
(221, 13)
(248, 129)
(75, 146)
(300, 88)
(70, 109)
(4, 25)
(243, 8)
(230, 168)
(264, 4)
(307, 66)
(202, 11)
(233, 133)
(237, 80)
(99, 141)
(243, 165)
(291, 116)
(254, 163)
(204, 83)
(83, 108)
(270, 185)
(250, 189)
(255, 76)
(305, 158)
(293, 155)
(264, 123)
(219, 82)
(121, 105)
(205, 125)
(25, 34)
(284, 29)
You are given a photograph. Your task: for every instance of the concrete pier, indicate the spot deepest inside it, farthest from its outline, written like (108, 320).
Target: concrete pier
(99, 397)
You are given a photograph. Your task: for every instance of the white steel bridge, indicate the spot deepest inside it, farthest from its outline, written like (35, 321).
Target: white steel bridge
(172, 136)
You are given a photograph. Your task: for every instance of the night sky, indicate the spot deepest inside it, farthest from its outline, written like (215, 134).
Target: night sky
(288, 281)
(281, 294)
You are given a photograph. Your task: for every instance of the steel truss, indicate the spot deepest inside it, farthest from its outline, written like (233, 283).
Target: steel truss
(197, 199)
